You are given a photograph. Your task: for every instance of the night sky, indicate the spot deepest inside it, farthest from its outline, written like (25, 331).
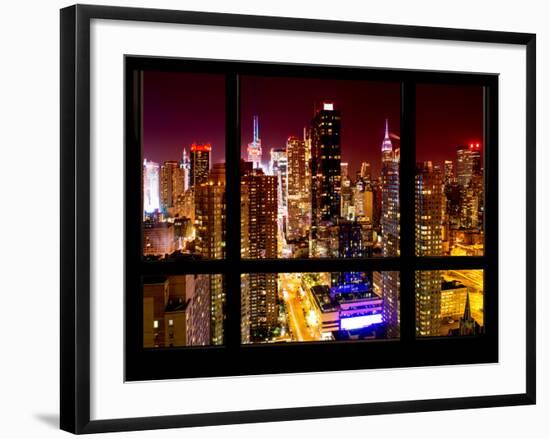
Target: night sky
(286, 105)
(179, 109)
(182, 108)
(447, 116)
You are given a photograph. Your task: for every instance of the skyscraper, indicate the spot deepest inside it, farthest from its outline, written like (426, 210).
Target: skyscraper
(171, 183)
(344, 170)
(390, 196)
(365, 172)
(200, 163)
(185, 166)
(255, 147)
(259, 240)
(428, 219)
(210, 214)
(390, 230)
(279, 168)
(470, 180)
(449, 176)
(151, 186)
(298, 196)
(197, 286)
(325, 176)
(175, 311)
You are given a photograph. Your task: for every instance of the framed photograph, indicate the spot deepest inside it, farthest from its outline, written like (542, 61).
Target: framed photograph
(268, 218)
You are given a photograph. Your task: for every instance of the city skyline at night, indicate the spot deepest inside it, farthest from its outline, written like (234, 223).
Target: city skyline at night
(329, 187)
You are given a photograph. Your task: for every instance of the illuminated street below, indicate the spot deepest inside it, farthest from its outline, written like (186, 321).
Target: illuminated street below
(289, 290)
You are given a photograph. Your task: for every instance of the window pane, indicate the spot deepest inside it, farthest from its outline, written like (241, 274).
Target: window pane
(320, 168)
(305, 307)
(449, 184)
(186, 310)
(183, 147)
(449, 303)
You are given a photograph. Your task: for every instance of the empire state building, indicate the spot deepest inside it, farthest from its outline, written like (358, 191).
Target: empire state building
(390, 232)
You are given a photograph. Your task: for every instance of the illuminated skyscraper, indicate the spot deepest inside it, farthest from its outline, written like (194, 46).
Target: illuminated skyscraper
(428, 219)
(171, 183)
(347, 207)
(197, 287)
(185, 166)
(255, 147)
(344, 170)
(279, 168)
(200, 163)
(390, 196)
(470, 180)
(325, 176)
(365, 172)
(298, 196)
(258, 290)
(468, 163)
(210, 215)
(449, 176)
(151, 187)
(390, 231)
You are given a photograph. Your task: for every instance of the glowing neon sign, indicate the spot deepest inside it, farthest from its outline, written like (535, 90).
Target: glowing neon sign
(360, 321)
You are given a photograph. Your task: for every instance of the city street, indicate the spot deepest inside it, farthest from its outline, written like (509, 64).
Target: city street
(289, 285)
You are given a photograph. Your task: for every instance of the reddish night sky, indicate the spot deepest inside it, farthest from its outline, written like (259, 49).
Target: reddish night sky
(447, 116)
(285, 106)
(182, 108)
(179, 109)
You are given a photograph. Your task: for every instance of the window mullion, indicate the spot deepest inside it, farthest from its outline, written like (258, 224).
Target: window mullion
(233, 213)
(407, 209)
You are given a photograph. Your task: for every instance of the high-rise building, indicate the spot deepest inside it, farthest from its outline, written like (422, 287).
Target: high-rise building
(377, 205)
(350, 240)
(449, 175)
(470, 180)
(151, 186)
(471, 203)
(390, 229)
(325, 175)
(171, 183)
(363, 200)
(344, 170)
(298, 195)
(468, 162)
(210, 215)
(429, 196)
(176, 311)
(279, 168)
(347, 200)
(254, 149)
(159, 238)
(258, 240)
(428, 219)
(197, 287)
(185, 166)
(200, 163)
(365, 172)
(390, 196)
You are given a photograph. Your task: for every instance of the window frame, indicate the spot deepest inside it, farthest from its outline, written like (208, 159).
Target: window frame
(238, 359)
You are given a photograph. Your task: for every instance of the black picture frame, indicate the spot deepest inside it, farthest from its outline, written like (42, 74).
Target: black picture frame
(75, 217)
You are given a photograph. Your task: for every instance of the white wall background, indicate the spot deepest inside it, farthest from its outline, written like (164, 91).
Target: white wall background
(29, 144)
